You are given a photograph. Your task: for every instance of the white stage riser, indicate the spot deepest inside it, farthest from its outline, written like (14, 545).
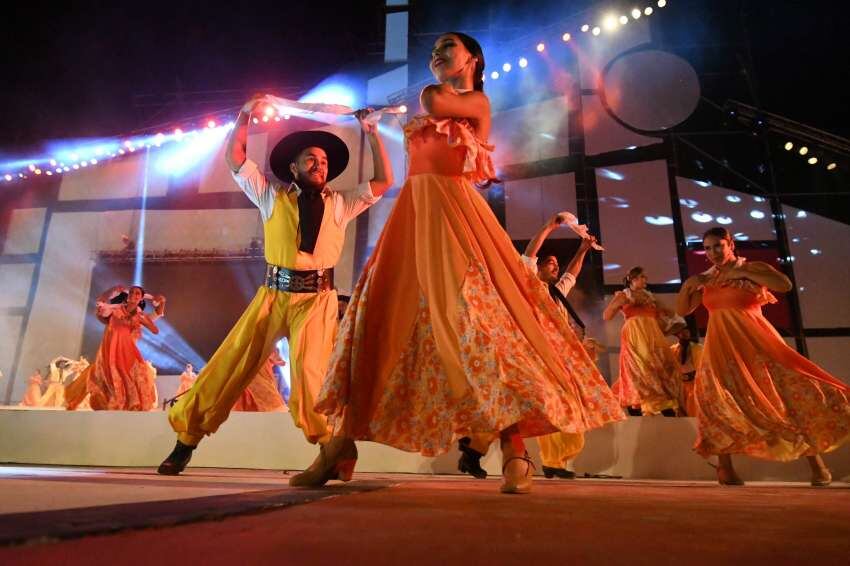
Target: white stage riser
(638, 448)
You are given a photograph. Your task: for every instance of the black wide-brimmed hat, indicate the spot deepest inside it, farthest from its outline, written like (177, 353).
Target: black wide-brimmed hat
(288, 148)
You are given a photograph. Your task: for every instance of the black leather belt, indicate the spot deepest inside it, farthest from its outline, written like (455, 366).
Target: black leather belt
(292, 281)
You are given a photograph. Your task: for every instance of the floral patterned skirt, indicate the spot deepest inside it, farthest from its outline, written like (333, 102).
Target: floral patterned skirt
(449, 333)
(757, 396)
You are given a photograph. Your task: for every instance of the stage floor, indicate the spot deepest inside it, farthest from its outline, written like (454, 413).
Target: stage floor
(132, 516)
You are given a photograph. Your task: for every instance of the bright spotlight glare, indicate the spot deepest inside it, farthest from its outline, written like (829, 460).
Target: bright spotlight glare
(648, 11)
(506, 67)
(662, 3)
(624, 20)
(804, 150)
(813, 160)
(494, 75)
(831, 166)
(596, 31)
(540, 47)
(609, 22)
(523, 62)
(636, 13)
(566, 37)
(789, 146)
(585, 28)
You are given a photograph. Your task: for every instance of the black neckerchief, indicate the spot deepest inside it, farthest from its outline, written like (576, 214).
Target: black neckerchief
(559, 297)
(311, 210)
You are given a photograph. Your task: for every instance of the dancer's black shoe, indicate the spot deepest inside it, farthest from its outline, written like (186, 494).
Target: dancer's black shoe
(470, 460)
(562, 473)
(176, 461)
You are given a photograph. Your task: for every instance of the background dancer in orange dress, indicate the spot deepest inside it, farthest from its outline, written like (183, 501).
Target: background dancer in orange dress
(262, 395)
(448, 332)
(755, 395)
(119, 379)
(648, 380)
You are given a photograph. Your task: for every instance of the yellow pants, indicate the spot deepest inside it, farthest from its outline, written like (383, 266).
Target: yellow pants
(555, 449)
(308, 320)
(559, 447)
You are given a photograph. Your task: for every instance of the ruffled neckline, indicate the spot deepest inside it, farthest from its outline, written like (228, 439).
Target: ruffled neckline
(478, 164)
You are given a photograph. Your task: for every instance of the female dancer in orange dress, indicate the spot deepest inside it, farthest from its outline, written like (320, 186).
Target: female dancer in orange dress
(448, 333)
(119, 379)
(754, 394)
(648, 382)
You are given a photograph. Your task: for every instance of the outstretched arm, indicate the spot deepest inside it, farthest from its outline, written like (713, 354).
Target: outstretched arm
(443, 101)
(615, 305)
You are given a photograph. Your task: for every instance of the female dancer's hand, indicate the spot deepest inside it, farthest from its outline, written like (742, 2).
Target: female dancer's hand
(367, 127)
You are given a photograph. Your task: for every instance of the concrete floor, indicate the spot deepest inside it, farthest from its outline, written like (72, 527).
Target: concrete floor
(212, 516)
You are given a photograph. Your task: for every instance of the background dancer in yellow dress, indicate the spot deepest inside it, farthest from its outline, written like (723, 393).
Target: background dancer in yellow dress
(304, 223)
(648, 381)
(448, 333)
(756, 395)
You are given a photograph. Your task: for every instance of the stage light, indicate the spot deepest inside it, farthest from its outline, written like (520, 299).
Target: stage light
(702, 217)
(53, 163)
(66, 169)
(277, 118)
(813, 160)
(121, 152)
(255, 120)
(733, 198)
(265, 118)
(585, 28)
(724, 220)
(58, 169)
(494, 75)
(211, 124)
(566, 37)
(789, 146)
(403, 108)
(610, 22)
(37, 171)
(757, 214)
(31, 167)
(49, 173)
(624, 20)
(84, 164)
(523, 62)
(506, 67)
(596, 31)
(286, 116)
(815, 252)
(269, 111)
(648, 11)
(804, 150)
(801, 214)
(8, 177)
(128, 144)
(658, 220)
(662, 3)
(831, 166)
(540, 47)
(75, 166)
(94, 161)
(636, 13)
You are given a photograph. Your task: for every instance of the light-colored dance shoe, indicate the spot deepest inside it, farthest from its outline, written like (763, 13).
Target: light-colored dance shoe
(336, 461)
(516, 474)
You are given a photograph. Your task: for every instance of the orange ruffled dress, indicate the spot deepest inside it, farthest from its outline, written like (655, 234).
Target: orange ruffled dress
(648, 374)
(756, 395)
(448, 332)
(119, 379)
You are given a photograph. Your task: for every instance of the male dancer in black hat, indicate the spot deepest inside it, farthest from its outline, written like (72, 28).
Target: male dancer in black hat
(304, 222)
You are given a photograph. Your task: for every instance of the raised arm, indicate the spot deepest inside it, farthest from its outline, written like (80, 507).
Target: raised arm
(237, 152)
(383, 171)
(537, 241)
(615, 305)
(442, 101)
(759, 273)
(574, 267)
(690, 295)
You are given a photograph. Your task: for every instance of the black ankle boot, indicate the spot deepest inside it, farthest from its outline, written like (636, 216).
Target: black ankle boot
(470, 460)
(634, 411)
(562, 473)
(669, 412)
(176, 461)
